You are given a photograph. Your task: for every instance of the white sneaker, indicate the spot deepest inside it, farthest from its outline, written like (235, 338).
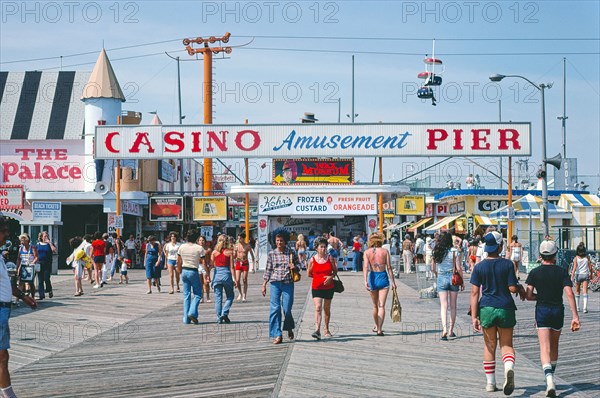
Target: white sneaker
(550, 389)
(509, 381)
(96, 286)
(491, 388)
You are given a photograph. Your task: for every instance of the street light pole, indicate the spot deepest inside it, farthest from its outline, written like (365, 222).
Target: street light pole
(544, 209)
(544, 169)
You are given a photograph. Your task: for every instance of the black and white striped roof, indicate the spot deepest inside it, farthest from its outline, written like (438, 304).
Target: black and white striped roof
(42, 105)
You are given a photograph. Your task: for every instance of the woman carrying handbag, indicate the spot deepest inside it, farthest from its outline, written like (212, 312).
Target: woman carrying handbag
(449, 281)
(322, 268)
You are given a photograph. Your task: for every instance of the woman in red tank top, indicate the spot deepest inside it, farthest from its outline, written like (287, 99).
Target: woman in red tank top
(322, 268)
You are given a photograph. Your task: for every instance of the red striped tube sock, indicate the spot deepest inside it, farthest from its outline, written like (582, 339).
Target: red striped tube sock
(509, 360)
(489, 367)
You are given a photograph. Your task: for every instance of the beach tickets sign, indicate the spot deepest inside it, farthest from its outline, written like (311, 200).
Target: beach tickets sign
(326, 204)
(166, 208)
(297, 141)
(313, 171)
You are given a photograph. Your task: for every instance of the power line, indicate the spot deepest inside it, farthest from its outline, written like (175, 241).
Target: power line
(276, 37)
(414, 54)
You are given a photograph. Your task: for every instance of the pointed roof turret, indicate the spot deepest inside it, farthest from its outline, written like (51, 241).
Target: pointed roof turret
(103, 82)
(156, 120)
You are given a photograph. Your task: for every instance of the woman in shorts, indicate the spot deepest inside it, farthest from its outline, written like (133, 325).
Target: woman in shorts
(28, 257)
(170, 252)
(445, 261)
(580, 274)
(516, 253)
(301, 250)
(322, 268)
(378, 280)
(204, 269)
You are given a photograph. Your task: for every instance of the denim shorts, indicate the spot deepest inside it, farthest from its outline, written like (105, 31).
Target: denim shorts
(444, 283)
(580, 278)
(4, 329)
(172, 262)
(548, 317)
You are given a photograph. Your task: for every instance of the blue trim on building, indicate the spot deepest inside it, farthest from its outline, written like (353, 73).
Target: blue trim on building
(500, 192)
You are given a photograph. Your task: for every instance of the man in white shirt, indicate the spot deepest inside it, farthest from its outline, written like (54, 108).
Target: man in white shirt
(7, 290)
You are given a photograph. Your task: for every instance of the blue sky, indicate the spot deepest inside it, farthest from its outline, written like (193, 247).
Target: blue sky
(278, 85)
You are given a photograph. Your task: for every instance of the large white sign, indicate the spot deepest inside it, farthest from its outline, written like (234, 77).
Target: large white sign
(312, 140)
(328, 204)
(45, 165)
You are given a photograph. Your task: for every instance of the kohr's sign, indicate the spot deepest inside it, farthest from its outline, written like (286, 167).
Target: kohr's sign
(298, 204)
(314, 140)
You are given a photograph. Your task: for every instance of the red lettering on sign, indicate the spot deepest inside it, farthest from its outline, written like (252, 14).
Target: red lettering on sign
(478, 139)
(196, 141)
(108, 142)
(457, 139)
(25, 152)
(213, 139)
(44, 154)
(174, 138)
(60, 154)
(433, 137)
(141, 139)
(514, 138)
(255, 140)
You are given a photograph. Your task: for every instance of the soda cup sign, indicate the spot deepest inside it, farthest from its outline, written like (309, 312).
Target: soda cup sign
(263, 224)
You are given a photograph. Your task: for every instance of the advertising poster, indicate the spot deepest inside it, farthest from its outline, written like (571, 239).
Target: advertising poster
(210, 208)
(166, 208)
(410, 205)
(313, 171)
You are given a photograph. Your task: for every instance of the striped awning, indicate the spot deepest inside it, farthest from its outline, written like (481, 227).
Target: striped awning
(582, 200)
(483, 220)
(419, 224)
(42, 105)
(530, 205)
(441, 224)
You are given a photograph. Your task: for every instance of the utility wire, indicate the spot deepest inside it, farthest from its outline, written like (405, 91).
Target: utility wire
(308, 38)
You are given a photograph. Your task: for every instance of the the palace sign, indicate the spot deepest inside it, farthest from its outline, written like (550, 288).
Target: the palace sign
(314, 140)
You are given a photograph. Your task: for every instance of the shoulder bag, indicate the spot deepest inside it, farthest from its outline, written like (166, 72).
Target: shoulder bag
(296, 276)
(396, 312)
(338, 286)
(457, 280)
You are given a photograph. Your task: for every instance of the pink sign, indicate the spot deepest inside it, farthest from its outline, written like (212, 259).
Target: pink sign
(45, 165)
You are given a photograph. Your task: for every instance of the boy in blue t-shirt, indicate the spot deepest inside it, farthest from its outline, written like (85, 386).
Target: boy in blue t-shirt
(494, 313)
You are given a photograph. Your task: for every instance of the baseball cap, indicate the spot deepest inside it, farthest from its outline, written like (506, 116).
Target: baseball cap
(548, 248)
(492, 241)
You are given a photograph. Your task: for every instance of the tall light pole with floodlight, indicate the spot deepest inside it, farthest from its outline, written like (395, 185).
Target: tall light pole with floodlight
(544, 170)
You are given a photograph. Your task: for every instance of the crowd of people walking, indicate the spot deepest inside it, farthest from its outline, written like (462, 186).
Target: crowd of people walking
(195, 268)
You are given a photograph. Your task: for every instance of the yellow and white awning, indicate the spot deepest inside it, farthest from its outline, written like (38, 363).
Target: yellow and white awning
(483, 220)
(419, 224)
(441, 224)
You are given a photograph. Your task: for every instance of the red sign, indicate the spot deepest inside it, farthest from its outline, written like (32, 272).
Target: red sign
(313, 171)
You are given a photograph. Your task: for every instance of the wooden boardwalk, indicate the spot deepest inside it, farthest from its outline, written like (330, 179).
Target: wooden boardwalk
(120, 342)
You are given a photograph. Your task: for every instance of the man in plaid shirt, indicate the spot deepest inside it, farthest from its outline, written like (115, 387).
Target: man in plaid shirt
(280, 263)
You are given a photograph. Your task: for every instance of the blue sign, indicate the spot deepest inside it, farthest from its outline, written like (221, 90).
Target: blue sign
(46, 211)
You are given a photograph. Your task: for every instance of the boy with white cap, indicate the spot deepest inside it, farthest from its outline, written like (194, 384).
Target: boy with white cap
(494, 314)
(550, 281)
